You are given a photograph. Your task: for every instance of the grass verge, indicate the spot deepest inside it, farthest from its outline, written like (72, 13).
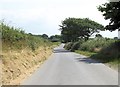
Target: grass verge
(112, 64)
(86, 53)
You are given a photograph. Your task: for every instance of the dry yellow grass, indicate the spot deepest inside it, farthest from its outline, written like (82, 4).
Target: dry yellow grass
(19, 65)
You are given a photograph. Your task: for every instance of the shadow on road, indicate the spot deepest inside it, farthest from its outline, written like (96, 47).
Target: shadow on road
(60, 51)
(87, 60)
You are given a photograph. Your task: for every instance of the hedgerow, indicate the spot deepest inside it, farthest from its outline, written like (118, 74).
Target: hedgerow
(16, 38)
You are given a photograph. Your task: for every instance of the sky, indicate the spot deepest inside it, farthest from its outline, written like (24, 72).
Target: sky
(45, 16)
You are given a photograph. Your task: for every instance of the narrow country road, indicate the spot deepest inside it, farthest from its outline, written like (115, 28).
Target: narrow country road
(69, 68)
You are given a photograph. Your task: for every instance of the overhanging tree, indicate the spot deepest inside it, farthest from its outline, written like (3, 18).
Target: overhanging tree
(74, 28)
(111, 11)
(98, 35)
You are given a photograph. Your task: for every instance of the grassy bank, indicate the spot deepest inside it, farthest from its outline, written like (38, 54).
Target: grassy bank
(16, 63)
(21, 53)
(96, 56)
(103, 49)
(86, 53)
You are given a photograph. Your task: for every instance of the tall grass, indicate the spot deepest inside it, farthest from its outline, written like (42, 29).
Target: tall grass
(109, 53)
(15, 38)
(96, 44)
(103, 49)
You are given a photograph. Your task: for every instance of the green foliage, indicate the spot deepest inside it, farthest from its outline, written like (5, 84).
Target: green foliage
(14, 38)
(98, 35)
(97, 43)
(86, 53)
(91, 45)
(55, 38)
(72, 46)
(45, 36)
(109, 53)
(56, 43)
(68, 45)
(74, 28)
(110, 50)
(11, 34)
(75, 46)
(111, 11)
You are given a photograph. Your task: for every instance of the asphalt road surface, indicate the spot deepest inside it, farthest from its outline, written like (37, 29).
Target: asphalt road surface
(69, 68)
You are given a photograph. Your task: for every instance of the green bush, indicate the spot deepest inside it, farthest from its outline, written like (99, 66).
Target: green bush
(72, 46)
(109, 53)
(75, 46)
(15, 38)
(68, 45)
(90, 45)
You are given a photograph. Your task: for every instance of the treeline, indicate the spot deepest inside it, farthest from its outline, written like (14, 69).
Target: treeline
(52, 38)
(73, 29)
(15, 38)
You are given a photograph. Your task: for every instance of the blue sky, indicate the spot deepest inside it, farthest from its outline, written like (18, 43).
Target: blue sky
(45, 16)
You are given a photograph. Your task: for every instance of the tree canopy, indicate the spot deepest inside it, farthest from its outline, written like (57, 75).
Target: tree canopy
(45, 36)
(55, 38)
(74, 28)
(98, 35)
(111, 11)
